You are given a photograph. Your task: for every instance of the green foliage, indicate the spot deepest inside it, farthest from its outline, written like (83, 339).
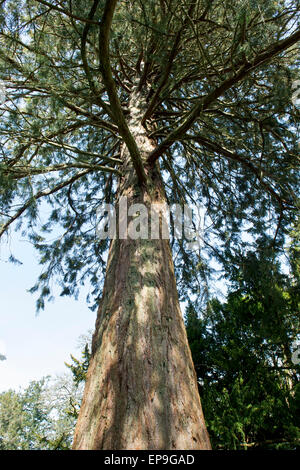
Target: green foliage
(242, 353)
(40, 417)
(216, 80)
(22, 418)
(294, 249)
(60, 141)
(79, 367)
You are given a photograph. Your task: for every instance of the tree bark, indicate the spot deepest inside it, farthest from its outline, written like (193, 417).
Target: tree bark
(141, 390)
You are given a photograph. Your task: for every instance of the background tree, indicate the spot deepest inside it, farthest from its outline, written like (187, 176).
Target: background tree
(79, 367)
(242, 350)
(164, 101)
(41, 416)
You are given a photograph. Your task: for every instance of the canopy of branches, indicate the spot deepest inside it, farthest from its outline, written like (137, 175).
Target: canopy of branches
(217, 78)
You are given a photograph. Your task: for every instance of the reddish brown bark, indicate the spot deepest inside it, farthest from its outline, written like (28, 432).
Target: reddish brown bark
(141, 390)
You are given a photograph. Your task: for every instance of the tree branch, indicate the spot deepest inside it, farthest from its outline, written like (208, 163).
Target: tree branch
(22, 171)
(81, 152)
(67, 13)
(109, 83)
(238, 158)
(39, 195)
(168, 67)
(207, 100)
(85, 62)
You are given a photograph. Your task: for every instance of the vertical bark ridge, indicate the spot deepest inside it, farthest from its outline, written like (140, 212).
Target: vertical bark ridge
(141, 390)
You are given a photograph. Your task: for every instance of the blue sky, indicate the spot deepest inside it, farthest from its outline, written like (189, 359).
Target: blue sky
(35, 346)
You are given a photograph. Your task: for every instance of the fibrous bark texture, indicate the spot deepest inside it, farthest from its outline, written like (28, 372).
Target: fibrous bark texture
(141, 390)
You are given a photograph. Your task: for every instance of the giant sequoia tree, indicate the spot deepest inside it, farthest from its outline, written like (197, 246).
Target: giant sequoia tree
(158, 101)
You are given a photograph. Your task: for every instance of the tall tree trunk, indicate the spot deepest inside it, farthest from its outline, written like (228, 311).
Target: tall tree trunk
(141, 390)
